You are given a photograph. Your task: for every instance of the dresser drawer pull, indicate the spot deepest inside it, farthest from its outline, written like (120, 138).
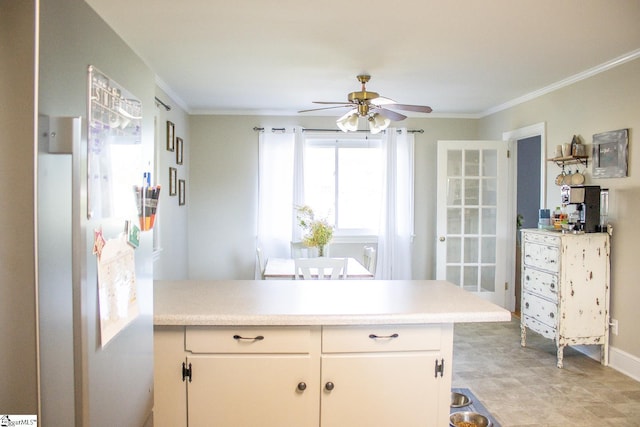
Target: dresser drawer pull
(238, 338)
(375, 337)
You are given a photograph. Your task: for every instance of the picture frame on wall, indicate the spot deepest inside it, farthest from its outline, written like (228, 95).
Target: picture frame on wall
(182, 188)
(173, 181)
(611, 154)
(179, 144)
(171, 136)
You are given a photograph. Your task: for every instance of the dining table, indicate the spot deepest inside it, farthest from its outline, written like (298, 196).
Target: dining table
(284, 268)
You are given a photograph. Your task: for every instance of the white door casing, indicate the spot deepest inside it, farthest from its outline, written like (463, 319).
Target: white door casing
(472, 210)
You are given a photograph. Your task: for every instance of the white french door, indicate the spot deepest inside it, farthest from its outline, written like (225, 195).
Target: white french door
(472, 226)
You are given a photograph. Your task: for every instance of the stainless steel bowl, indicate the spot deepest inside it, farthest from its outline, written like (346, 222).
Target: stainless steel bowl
(458, 400)
(458, 419)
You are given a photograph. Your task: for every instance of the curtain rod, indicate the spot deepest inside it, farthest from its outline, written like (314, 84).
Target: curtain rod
(259, 129)
(166, 106)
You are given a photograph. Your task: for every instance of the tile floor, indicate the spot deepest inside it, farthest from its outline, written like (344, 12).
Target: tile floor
(522, 387)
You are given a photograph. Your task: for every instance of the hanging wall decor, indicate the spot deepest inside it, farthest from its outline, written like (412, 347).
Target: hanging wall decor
(171, 136)
(611, 154)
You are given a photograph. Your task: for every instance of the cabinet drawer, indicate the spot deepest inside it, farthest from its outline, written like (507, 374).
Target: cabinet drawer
(361, 339)
(539, 327)
(540, 309)
(540, 282)
(549, 239)
(247, 339)
(541, 256)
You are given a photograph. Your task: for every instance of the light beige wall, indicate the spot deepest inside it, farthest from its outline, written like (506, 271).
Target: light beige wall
(170, 259)
(19, 393)
(607, 101)
(224, 176)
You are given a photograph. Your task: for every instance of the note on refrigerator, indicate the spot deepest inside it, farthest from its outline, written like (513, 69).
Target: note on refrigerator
(117, 292)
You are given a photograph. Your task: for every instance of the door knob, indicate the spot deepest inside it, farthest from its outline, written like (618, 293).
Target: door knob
(442, 238)
(329, 386)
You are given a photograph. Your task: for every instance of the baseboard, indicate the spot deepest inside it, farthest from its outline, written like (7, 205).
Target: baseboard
(624, 362)
(619, 360)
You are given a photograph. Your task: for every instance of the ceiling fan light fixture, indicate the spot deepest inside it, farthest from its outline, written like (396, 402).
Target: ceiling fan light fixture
(348, 122)
(378, 123)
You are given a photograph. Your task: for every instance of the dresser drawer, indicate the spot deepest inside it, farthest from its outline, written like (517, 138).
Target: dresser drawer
(540, 282)
(549, 239)
(540, 309)
(361, 339)
(541, 256)
(247, 339)
(539, 327)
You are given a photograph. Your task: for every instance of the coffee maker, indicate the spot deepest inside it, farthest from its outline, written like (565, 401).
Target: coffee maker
(587, 201)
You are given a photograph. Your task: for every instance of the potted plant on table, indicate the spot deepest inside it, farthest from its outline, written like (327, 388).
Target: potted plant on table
(317, 232)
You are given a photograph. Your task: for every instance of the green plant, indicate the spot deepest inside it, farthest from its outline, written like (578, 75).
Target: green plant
(317, 232)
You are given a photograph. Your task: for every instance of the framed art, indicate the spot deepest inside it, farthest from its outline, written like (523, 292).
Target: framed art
(611, 154)
(173, 181)
(171, 136)
(179, 144)
(182, 192)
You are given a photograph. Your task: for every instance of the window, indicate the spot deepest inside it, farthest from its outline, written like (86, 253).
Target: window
(343, 182)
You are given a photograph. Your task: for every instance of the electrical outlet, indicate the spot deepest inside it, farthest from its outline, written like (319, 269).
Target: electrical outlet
(614, 326)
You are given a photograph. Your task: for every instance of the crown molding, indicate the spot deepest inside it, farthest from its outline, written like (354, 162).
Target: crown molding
(565, 82)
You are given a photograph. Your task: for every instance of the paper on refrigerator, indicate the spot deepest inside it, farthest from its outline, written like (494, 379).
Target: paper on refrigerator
(117, 293)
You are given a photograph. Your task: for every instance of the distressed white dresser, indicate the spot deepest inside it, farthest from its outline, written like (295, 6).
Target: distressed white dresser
(565, 288)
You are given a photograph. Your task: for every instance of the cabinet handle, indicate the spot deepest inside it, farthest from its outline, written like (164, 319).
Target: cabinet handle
(238, 338)
(527, 278)
(374, 336)
(302, 386)
(329, 386)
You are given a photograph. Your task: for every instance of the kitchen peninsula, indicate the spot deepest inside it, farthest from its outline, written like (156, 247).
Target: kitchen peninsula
(308, 353)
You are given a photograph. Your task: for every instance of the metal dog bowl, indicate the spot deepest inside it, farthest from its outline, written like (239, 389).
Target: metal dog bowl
(468, 419)
(458, 400)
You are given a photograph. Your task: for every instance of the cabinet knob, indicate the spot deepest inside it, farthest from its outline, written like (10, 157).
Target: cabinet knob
(552, 315)
(442, 238)
(302, 386)
(526, 304)
(553, 286)
(329, 386)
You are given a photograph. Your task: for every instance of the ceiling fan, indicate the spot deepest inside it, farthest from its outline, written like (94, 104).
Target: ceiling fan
(370, 105)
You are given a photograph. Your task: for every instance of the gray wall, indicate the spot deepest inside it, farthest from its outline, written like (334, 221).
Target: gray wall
(224, 182)
(18, 326)
(607, 101)
(171, 250)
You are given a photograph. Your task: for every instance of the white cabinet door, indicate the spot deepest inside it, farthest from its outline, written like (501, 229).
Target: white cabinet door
(253, 391)
(382, 390)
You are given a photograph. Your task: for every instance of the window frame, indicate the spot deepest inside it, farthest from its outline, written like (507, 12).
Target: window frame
(354, 140)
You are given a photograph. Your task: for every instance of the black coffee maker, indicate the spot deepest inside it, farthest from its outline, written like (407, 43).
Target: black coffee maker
(587, 201)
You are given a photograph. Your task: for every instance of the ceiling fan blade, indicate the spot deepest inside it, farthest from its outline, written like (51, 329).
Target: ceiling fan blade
(326, 108)
(381, 100)
(391, 115)
(331, 102)
(417, 108)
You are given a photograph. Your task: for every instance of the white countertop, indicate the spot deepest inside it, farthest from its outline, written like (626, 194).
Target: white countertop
(318, 302)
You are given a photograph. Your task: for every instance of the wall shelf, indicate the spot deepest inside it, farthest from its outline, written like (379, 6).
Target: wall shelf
(570, 160)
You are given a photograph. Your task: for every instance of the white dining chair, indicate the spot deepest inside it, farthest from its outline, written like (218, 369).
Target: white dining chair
(320, 268)
(261, 263)
(369, 259)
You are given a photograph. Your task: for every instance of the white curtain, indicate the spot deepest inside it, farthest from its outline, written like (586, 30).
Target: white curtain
(279, 190)
(396, 221)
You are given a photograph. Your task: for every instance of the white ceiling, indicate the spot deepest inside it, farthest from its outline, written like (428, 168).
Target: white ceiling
(461, 57)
